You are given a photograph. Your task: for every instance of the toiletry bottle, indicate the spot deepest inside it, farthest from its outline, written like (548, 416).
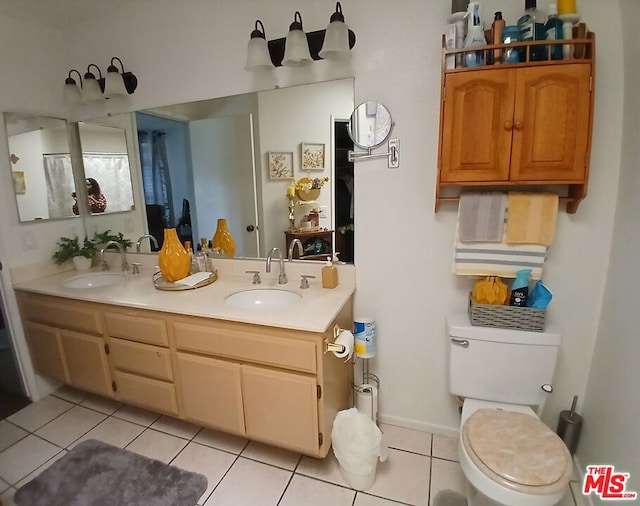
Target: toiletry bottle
(532, 26)
(496, 31)
(520, 288)
(329, 275)
(475, 36)
(553, 31)
(194, 264)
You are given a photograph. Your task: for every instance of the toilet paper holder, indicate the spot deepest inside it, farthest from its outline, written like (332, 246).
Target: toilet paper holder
(331, 346)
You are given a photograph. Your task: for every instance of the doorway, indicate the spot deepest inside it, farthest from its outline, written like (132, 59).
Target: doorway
(343, 183)
(12, 391)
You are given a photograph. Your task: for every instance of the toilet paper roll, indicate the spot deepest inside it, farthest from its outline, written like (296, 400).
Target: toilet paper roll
(367, 401)
(345, 338)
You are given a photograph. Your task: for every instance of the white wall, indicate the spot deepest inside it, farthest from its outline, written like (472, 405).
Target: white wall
(196, 50)
(611, 409)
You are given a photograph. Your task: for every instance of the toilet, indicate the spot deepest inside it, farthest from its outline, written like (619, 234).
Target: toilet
(507, 455)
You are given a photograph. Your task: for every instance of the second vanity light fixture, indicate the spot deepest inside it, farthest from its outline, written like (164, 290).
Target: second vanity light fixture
(300, 48)
(116, 83)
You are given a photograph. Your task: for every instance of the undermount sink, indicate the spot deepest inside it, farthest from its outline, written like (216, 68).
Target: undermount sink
(94, 280)
(263, 298)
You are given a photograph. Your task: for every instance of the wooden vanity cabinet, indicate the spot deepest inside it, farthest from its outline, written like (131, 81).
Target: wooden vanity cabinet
(525, 125)
(66, 341)
(273, 385)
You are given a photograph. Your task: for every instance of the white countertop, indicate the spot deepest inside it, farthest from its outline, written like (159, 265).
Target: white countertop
(315, 312)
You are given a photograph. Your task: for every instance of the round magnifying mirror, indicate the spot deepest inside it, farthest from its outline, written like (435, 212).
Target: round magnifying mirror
(370, 125)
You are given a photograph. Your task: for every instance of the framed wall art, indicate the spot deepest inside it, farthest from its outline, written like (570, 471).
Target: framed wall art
(312, 156)
(280, 164)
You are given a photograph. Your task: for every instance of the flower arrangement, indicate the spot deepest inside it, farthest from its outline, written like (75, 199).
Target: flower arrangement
(306, 184)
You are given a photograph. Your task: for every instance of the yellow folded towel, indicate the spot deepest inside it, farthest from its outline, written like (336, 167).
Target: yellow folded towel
(531, 218)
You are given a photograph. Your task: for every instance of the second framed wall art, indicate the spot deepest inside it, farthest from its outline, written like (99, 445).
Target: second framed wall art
(312, 156)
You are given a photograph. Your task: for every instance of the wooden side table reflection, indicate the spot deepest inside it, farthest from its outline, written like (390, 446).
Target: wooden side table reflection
(316, 244)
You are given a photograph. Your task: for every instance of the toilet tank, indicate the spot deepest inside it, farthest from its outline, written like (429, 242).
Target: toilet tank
(501, 365)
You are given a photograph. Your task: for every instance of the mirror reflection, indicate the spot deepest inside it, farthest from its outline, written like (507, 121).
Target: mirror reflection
(215, 159)
(370, 125)
(41, 167)
(106, 169)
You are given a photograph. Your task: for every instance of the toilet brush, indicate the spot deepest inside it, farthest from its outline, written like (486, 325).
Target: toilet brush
(569, 426)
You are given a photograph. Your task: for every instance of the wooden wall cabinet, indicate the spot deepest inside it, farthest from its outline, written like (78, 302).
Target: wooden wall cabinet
(521, 125)
(273, 385)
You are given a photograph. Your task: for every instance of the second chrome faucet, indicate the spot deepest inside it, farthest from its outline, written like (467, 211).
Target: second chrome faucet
(282, 278)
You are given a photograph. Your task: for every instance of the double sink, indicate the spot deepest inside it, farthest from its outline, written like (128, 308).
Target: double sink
(253, 299)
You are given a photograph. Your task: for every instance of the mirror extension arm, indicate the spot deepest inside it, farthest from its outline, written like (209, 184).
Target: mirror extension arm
(392, 154)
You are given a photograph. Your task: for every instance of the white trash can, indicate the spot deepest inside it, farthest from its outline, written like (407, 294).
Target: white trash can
(357, 444)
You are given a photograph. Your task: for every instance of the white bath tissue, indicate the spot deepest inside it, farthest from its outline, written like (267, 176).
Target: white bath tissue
(367, 401)
(345, 338)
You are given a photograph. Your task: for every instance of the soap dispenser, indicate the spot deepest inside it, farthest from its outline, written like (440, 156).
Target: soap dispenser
(329, 275)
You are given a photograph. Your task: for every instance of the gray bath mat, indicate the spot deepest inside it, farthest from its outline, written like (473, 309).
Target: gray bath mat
(97, 474)
(449, 498)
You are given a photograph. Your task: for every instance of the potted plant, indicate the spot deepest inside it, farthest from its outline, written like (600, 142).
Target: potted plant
(309, 189)
(80, 254)
(106, 236)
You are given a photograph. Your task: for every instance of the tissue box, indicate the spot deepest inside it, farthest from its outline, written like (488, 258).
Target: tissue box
(507, 317)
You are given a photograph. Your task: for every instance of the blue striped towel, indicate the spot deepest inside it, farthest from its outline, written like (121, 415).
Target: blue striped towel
(497, 258)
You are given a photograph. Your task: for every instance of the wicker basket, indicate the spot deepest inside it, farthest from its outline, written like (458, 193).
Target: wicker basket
(507, 317)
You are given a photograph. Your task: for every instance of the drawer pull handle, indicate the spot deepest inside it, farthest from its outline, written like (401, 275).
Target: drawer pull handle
(460, 342)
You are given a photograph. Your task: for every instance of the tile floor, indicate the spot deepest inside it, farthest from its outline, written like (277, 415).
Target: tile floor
(239, 472)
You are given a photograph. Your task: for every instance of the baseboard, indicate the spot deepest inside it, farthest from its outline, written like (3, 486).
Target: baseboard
(579, 471)
(408, 423)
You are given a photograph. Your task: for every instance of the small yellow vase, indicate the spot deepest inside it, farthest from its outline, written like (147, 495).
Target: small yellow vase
(223, 239)
(173, 259)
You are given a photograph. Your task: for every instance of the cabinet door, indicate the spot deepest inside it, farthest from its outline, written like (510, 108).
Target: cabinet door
(281, 408)
(477, 125)
(551, 123)
(46, 351)
(210, 391)
(87, 362)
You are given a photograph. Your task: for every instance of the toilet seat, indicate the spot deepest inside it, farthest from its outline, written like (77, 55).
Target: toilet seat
(517, 450)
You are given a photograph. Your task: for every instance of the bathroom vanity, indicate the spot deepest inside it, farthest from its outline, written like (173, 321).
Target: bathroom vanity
(259, 374)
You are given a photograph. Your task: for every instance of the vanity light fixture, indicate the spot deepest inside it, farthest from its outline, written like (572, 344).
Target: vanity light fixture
(117, 83)
(258, 57)
(92, 87)
(333, 43)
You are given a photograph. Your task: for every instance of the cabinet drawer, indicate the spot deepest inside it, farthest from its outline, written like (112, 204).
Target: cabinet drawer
(146, 392)
(244, 345)
(65, 314)
(141, 358)
(137, 328)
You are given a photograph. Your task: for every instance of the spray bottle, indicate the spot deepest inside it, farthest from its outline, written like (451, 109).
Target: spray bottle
(475, 36)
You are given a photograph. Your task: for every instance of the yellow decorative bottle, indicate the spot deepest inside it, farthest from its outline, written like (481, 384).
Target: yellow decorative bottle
(173, 259)
(223, 239)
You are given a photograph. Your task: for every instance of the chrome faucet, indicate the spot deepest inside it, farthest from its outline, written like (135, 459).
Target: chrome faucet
(292, 246)
(282, 278)
(152, 241)
(123, 254)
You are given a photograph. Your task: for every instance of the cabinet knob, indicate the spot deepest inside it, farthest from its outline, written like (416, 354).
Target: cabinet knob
(508, 125)
(518, 125)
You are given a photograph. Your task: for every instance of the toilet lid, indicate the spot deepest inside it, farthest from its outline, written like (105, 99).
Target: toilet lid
(518, 448)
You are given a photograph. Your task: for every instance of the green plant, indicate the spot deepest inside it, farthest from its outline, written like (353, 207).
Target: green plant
(69, 248)
(106, 236)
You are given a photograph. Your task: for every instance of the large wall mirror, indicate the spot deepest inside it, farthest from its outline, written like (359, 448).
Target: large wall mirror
(40, 162)
(206, 160)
